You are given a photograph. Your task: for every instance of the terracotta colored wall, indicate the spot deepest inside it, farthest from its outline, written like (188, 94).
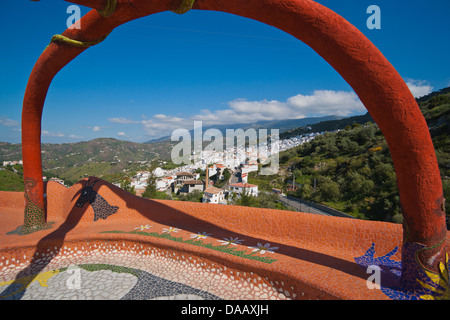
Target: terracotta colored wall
(11, 199)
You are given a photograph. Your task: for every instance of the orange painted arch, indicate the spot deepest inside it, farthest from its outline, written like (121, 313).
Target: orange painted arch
(343, 46)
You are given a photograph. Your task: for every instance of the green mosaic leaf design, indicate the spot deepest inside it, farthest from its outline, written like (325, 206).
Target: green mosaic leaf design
(113, 268)
(222, 248)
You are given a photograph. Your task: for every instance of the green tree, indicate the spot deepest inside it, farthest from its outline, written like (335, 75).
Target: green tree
(125, 184)
(328, 191)
(150, 191)
(346, 145)
(306, 191)
(10, 181)
(358, 185)
(243, 199)
(194, 196)
(226, 174)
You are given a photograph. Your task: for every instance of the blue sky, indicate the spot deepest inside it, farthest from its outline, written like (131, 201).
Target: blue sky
(162, 72)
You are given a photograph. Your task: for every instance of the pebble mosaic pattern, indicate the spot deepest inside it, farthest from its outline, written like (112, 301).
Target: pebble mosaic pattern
(102, 209)
(142, 273)
(101, 282)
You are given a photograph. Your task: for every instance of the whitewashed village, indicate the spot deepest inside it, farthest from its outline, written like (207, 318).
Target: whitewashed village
(231, 167)
(239, 162)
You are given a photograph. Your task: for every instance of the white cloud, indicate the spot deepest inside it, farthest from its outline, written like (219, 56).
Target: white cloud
(319, 103)
(46, 133)
(221, 117)
(160, 124)
(96, 129)
(8, 122)
(419, 88)
(327, 102)
(121, 134)
(122, 120)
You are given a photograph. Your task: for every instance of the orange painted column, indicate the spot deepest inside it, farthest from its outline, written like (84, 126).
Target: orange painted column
(94, 4)
(354, 57)
(55, 56)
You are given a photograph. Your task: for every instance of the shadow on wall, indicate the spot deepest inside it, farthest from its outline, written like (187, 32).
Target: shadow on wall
(160, 213)
(54, 239)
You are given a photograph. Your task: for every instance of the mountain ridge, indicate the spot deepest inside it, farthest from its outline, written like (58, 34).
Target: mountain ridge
(282, 125)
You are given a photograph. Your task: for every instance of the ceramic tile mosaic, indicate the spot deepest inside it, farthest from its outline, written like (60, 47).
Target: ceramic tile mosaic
(156, 249)
(391, 276)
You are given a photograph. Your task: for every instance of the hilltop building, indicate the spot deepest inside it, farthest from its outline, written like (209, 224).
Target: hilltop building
(184, 176)
(192, 185)
(11, 163)
(163, 184)
(247, 188)
(250, 166)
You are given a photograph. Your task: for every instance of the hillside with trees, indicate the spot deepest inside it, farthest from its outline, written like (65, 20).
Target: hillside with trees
(11, 178)
(352, 171)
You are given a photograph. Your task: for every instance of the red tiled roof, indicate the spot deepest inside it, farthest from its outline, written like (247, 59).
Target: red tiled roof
(213, 190)
(184, 174)
(243, 185)
(193, 182)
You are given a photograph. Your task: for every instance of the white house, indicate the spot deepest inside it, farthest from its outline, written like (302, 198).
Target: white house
(142, 176)
(239, 188)
(161, 184)
(164, 183)
(12, 163)
(139, 190)
(192, 185)
(250, 166)
(246, 168)
(212, 171)
(158, 172)
(213, 195)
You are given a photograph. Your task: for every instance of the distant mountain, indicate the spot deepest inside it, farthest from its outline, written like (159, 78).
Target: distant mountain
(109, 150)
(99, 150)
(282, 125)
(427, 97)
(331, 125)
